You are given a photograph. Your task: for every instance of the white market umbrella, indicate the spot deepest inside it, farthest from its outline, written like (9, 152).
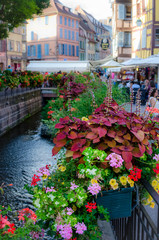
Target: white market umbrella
(152, 60)
(111, 64)
(133, 62)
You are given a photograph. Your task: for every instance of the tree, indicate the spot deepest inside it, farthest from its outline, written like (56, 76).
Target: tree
(15, 12)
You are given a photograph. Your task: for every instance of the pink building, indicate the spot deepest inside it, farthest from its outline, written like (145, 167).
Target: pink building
(54, 35)
(3, 55)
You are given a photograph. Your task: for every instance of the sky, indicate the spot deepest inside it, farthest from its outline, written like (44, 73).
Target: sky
(100, 9)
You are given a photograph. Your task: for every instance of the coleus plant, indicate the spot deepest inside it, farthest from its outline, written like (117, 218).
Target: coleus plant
(111, 129)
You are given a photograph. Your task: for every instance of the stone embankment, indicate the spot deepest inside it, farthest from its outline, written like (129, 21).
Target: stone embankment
(14, 108)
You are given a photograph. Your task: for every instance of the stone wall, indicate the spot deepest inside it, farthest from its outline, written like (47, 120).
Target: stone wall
(14, 109)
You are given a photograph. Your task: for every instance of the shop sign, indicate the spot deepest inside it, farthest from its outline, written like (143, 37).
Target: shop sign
(105, 44)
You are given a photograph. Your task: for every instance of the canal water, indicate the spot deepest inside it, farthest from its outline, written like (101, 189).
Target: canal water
(22, 153)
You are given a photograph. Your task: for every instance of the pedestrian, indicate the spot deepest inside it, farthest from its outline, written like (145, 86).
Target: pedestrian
(9, 68)
(153, 102)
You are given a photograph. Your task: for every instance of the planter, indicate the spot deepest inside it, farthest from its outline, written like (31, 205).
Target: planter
(118, 203)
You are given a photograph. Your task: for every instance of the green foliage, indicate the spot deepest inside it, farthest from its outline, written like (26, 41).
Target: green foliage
(14, 13)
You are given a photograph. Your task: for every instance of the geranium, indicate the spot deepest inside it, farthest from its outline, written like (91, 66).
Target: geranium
(156, 170)
(135, 174)
(94, 189)
(156, 157)
(90, 206)
(65, 231)
(73, 186)
(115, 160)
(80, 228)
(35, 179)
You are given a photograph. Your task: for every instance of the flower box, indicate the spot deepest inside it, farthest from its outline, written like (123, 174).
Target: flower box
(118, 203)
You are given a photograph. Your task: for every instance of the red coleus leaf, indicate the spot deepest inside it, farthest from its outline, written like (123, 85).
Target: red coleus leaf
(81, 135)
(149, 149)
(111, 133)
(61, 143)
(142, 148)
(96, 140)
(55, 150)
(59, 125)
(91, 135)
(119, 139)
(116, 150)
(136, 152)
(73, 135)
(128, 165)
(77, 154)
(127, 156)
(83, 148)
(111, 143)
(102, 146)
(127, 136)
(101, 131)
(64, 120)
(76, 146)
(145, 141)
(140, 135)
(74, 126)
(60, 136)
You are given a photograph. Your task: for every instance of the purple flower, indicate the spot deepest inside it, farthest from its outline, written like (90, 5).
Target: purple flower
(50, 189)
(94, 189)
(69, 211)
(115, 160)
(73, 186)
(65, 231)
(80, 228)
(156, 157)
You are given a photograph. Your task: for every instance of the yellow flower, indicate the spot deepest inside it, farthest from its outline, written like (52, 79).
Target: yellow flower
(152, 204)
(131, 184)
(49, 177)
(85, 119)
(62, 168)
(74, 208)
(115, 186)
(44, 177)
(93, 181)
(123, 180)
(149, 199)
(62, 183)
(157, 188)
(154, 183)
(129, 180)
(58, 180)
(112, 182)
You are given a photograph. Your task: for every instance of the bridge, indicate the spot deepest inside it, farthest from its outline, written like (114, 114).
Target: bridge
(47, 93)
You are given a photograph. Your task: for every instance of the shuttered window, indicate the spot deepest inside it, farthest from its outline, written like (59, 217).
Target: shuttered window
(28, 51)
(120, 39)
(39, 51)
(121, 11)
(46, 49)
(61, 33)
(69, 34)
(65, 34)
(144, 37)
(69, 50)
(77, 51)
(65, 49)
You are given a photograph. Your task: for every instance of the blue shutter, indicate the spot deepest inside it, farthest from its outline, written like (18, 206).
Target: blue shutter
(59, 49)
(72, 23)
(77, 51)
(73, 35)
(73, 50)
(69, 22)
(65, 34)
(32, 35)
(69, 50)
(77, 38)
(120, 39)
(60, 19)
(46, 20)
(65, 49)
(76, 24)
(28, 51)
(34, 50)
(121, 11)
(69, 34)
(39, 51)
(61, 33)
(46, 49)
(65, 21)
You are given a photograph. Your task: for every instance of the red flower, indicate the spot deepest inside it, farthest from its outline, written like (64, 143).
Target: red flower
(35, 179)
(135, 174)
(50, 112)
(156, 170)
(61, 96)
(12, 228)
(90, 206)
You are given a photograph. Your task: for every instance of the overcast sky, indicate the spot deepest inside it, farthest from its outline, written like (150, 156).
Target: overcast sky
(100, 9)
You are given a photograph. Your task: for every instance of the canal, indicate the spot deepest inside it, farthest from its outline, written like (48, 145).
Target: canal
(22, 153)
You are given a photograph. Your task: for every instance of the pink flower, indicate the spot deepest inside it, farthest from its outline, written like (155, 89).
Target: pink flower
(156, 157)
(115, 160)
(94, 189)
(50, 189)
(73, 186)
(80, 228)
(69, 211)
(65, 231)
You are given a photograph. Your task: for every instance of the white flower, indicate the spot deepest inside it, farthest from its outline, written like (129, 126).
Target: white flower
(91, 171)
(80, 197)
(51, 197)
(82, 171)
(71, 199)
(56, 203)
(37, 202)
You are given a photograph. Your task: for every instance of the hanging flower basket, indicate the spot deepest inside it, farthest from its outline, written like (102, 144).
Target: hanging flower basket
(118, 203)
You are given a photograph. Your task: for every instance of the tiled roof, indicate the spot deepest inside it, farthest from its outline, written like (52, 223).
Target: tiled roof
(65, 10)
(85, 26)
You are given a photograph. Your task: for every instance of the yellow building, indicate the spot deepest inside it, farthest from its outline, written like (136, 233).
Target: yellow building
(145, 28)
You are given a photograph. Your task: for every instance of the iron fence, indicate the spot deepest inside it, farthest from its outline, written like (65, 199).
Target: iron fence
(143, 223)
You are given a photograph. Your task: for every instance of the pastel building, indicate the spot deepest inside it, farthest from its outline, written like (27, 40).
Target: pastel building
(54, 35)
(145, 28)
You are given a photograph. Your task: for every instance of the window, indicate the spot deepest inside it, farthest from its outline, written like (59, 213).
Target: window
(65, 34)
(46, 20)
(69, 22)
(69, 50)
(32, 35)
(73, 50)
(46, 49)
(77, 36)
(65, 49)
(11, 45)
(120, 39)
(61, 49)
(60, 19)
(127, 39)
(76, 24)
(77, 51)
(73, 35)
(32, 50)
(144, 37)
(24, 48)
(39, 51)
(28, 51)
(128, 12)
(81, 44)
(65, 21)
(18, 46)
(69, 34)
(121, 11)
(72, 23)
(61, 33)
(157, 37)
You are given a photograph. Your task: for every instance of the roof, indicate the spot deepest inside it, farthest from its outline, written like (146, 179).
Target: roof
(85, 26)
(64, 9)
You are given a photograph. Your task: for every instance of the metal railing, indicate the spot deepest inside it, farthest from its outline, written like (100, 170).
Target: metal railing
(143, 223)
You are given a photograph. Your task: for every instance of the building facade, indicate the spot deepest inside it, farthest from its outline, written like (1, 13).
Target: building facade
(122, 29)
(54, 35)
(145, 28)
(13, 50)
